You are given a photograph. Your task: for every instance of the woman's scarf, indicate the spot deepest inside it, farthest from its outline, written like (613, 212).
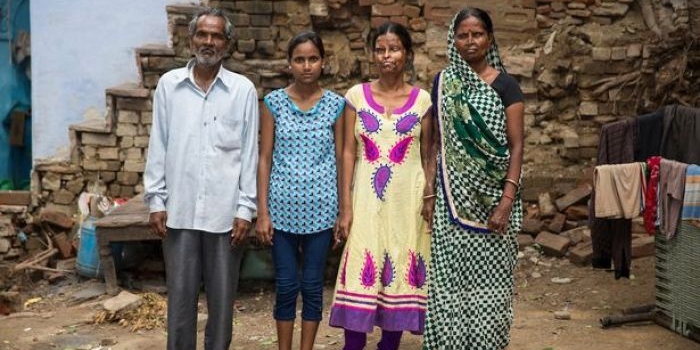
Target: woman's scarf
(474, 154)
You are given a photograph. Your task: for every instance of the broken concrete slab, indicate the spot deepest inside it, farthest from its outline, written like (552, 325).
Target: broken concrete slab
(124, 301)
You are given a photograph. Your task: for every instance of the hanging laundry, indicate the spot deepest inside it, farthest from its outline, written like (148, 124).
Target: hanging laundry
(691, 196)
(671, 191)
(619, 190)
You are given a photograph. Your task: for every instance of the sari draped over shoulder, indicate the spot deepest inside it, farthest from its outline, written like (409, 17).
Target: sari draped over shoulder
(474, 154)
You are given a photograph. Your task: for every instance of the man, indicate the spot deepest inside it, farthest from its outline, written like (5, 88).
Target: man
(200, 174)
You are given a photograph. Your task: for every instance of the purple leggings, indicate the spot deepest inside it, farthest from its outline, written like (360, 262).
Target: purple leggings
(357, 340)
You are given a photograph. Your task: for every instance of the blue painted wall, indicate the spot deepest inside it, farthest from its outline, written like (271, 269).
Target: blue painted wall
(80, 48)
(15, 161)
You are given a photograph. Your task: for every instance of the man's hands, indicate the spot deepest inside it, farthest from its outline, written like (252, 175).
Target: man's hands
(240, 231)
(157, 221)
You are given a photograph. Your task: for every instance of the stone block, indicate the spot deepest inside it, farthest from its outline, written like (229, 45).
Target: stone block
(114, 190)
(532, 226)
(134, 104)
(581, 13)
(133, 153)
(63, 196)
(576, 212)
(418, 24)
(5, 245)
(581, 254)
(611, 9)
(402, 20)
(127, 141)
(375, 22)
(98, 139)
(108, 153)
(634, 50)
(395, 9)
(520, 65)
(57, 218)
(246, 45)
(146, 117)
(643, 246)
(51, 182)
(574, 196)
(133, 165)
(127, 117)
(525, 241)
(366, 2)
(76, 186)
(547, 208)
(240, 19)
(260, 20)
(601, 53)
(618, 53)
(557, 223)
(552, 244)
(266, 47)
(588, 109)
(140, 141)
(411, 11)
(128, 178)
(124, 129)
(577, 235)
(126, 191)
(254, 7)
(89, 151)
(125, 301)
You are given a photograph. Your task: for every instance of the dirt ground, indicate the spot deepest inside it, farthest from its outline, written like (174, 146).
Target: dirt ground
(54, 323)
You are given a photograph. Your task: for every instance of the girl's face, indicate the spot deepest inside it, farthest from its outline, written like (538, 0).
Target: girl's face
(306, 63)
(389, 54)
(472, 40)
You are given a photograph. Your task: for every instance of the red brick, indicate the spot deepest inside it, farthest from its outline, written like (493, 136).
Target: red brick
(366, 2)
(552, 244)
(15, 198)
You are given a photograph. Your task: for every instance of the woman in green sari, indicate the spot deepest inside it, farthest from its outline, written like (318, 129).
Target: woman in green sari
(479, 109)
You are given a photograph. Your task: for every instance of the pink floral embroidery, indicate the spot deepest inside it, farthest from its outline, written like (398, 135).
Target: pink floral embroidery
(370, 122)
(371, 148)
(387, 270)
(416, 270)
(381, 180)
(398, 152)
(406, 123)
(368, 276)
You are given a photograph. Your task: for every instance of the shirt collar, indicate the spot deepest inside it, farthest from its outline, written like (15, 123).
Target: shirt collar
(221, 76)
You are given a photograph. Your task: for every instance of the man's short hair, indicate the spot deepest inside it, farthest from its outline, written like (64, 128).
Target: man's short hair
(228, 27)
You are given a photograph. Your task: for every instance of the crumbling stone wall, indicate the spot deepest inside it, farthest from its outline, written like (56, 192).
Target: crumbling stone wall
(581, 63)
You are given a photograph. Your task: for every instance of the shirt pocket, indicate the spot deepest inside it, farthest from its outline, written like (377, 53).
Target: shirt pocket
(227, 132)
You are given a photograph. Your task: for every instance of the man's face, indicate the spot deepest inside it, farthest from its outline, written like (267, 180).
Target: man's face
(209, 41)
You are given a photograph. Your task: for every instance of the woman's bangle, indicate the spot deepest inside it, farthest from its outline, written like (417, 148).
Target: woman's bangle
(515, 183)
(429, 196)
(508, 196)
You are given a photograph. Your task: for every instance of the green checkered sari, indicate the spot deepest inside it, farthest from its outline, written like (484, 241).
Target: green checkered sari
(470, 298)
(474, 149)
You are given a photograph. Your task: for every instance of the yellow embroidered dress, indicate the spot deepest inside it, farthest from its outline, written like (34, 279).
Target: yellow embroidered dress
(382, 279)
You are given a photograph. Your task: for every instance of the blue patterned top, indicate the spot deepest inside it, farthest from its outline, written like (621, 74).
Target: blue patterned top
(303, 195)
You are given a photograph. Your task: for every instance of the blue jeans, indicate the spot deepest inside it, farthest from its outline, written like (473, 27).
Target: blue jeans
(288, 251)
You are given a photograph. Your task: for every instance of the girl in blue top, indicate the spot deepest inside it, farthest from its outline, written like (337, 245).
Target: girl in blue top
(300, 140)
